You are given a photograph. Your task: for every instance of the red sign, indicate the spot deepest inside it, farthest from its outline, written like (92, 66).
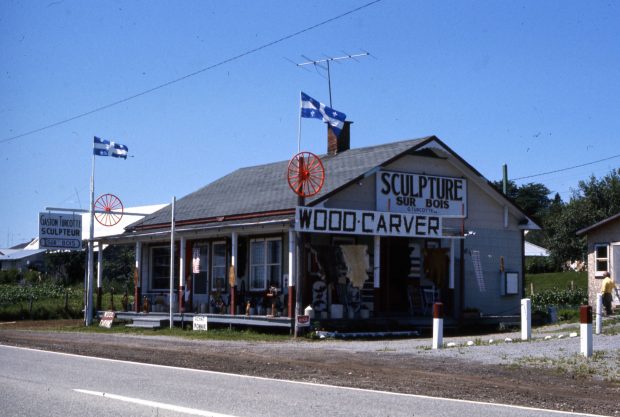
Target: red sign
(303, 321)
(107, 319)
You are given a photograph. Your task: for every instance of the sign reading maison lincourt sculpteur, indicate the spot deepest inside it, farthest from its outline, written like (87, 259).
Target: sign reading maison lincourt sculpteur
(361, 222)
(403, 192)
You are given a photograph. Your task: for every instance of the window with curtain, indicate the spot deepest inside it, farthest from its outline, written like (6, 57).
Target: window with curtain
(218, 272)
(201, 278)
(265, 263)
(160, 268)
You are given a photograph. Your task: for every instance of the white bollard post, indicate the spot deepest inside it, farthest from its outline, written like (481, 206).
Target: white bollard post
(437, 325)
(526, 319)
(585, 318)
(599, 313)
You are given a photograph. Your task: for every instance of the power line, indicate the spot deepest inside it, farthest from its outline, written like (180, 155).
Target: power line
(200, 71)
(565, 169)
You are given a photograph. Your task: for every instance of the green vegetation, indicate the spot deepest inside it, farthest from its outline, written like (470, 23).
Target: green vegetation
(39, 301)
(564, 290)
(556, 280)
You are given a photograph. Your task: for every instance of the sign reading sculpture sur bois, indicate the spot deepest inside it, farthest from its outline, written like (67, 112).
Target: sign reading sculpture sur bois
(430, 195)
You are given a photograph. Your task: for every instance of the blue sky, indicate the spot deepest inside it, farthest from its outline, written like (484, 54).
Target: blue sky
(535, 85)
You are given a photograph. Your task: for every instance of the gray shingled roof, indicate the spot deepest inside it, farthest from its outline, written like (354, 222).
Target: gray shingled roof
(264, 188)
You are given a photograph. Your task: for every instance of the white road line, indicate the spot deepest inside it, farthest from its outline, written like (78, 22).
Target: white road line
(456, 400)
(154, 404)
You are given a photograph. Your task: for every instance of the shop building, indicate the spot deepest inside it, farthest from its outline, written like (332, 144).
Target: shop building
(395, 228)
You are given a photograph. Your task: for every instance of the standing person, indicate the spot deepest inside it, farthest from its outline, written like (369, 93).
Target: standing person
(607, 286)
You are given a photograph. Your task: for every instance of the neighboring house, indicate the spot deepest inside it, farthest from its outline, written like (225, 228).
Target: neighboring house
(603, 239)
(22, 259)
(394, 228)
(535, 250)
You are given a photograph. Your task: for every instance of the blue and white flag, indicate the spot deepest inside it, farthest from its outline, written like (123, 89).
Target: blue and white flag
(104, 147)
(310, 108)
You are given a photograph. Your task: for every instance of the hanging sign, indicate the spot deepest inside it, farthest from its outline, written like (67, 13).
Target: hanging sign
(60, 231)
(196, 261)
(360, 222)
(403, 192)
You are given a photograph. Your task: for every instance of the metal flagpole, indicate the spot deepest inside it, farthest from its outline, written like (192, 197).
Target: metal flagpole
(299, 126)
(171, 260)
(88, 310)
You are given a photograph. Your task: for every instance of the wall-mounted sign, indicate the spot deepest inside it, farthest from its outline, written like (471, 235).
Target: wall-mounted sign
(402, 192)
(359, 222)
(60, 231)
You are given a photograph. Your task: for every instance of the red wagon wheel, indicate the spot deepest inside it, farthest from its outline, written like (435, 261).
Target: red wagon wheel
(306, 174)
(107, 208)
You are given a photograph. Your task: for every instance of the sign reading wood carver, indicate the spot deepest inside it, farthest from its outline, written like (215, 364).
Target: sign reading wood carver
(403, 192)
(360, 222)
(107, 319)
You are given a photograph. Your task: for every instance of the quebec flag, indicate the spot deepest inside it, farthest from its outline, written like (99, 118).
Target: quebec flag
(310, 108)
(104, 147)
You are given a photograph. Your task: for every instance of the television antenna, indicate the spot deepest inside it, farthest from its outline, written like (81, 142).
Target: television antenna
(324, 64)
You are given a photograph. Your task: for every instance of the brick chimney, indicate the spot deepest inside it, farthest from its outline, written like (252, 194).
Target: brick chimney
(339, 144)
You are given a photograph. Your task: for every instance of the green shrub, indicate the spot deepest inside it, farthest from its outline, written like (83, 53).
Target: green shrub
(559, 297)
(539, 265)
(11, 276)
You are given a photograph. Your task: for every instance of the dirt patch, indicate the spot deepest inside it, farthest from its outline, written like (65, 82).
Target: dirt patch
(378, 370)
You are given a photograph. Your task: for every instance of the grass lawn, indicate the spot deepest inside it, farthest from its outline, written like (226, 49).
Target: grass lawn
(555, 280)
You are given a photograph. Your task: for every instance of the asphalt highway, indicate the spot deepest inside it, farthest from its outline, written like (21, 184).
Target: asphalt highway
(38, 383)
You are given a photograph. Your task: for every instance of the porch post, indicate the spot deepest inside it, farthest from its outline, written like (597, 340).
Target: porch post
(452, 255)
(99, 274)
(181, 294)
(291, 273)
(137, 293)
(233, 273)
(377, 262)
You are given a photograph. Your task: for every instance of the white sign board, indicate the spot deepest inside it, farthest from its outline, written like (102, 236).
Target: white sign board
(303, 321)
(359, 222)
(60, 231)
(107, 319)
(402, 192)
(200, 323)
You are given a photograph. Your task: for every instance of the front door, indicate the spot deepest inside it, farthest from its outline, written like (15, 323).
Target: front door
(394, 271)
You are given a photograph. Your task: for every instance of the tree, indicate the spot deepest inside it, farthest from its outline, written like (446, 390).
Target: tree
(594, 200)
(532, 198)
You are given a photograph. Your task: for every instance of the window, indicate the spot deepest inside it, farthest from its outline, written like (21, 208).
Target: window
(201, 252)
(160, 267)
(218, 272)
(601, 259)
(265, 263)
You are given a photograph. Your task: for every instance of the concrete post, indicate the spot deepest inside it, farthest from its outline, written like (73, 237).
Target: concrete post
(599, 313)
(585, 318)
(526, 319)
(437, 325)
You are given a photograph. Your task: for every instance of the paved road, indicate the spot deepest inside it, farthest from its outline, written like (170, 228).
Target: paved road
(37, 383)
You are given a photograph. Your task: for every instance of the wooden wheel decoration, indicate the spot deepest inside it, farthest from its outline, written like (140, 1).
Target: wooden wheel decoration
(107, 208)
(306, 174)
